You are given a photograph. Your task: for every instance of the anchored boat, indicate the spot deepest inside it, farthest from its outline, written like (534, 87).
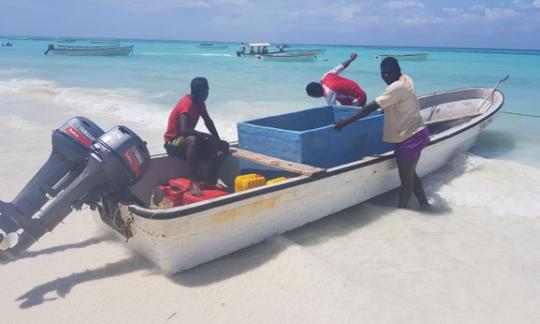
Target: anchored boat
(404, 57)
(113, 174)
(297, 56)
(213, 46)
(261, 51)
(108, 49)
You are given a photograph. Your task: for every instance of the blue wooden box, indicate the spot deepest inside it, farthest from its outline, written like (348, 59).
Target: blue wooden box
(309, 137)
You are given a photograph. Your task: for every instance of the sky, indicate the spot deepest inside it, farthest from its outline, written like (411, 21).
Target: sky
(510, 24)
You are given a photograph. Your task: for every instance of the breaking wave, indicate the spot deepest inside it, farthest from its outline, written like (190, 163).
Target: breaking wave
(500, 186)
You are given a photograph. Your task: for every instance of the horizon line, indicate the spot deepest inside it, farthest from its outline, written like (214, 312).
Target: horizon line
(240, 42)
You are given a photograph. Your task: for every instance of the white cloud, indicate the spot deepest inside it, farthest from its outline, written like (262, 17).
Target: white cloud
(478, 8)
(166, 4)
(422, 21)
(479, 13)
(340, 12)
(499, 13)
(347, 14)
(403, 4)
(536, 4)
(452, 10)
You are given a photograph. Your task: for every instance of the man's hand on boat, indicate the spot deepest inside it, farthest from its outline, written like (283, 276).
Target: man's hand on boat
(360, 113)
(340, 124)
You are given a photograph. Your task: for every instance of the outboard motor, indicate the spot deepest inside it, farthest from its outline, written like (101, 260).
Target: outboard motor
(116, 160)
(50, 48)
(71, 145)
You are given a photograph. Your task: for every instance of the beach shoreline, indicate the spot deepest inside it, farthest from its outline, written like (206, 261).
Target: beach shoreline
(475, 261)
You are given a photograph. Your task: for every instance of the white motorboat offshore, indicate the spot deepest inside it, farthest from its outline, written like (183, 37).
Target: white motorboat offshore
(114, 174)
(95, 49)
(212, 46)
(297, 56)
(261, 51)
(404, 57)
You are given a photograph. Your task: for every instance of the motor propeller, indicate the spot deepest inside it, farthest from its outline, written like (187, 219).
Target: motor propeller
(8, 240)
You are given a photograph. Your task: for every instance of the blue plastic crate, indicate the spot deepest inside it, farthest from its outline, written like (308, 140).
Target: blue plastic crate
(309, 137)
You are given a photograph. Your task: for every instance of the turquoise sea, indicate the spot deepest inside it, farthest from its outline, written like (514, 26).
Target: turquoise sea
(42, 91)
(143, 87)
(476, 262)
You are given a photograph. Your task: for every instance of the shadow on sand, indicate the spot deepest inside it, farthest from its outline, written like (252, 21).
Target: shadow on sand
(336, 225)
(56, 249)
(62, 286)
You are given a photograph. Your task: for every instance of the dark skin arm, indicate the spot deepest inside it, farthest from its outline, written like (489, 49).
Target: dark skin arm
(209, 123)
(187, 131)
(349, 61)
(361, 113)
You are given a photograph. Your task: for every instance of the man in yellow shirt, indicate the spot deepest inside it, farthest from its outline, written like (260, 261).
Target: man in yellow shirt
(403, 127)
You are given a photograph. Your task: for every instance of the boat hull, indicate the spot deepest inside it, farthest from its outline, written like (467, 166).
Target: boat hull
(183, 237)
(182, 243)
(288, 57)
(94, 51)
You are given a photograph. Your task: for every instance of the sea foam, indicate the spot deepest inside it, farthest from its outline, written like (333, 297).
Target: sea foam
(500, 186)
(125, 104)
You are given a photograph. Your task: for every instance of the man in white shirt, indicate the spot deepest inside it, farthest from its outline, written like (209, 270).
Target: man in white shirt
(403, 127)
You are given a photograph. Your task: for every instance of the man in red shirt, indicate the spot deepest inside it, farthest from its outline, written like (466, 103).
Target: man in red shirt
(183, 141)
(337, 88)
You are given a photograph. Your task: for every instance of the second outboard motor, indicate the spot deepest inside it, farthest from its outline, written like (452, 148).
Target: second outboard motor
(116, 160)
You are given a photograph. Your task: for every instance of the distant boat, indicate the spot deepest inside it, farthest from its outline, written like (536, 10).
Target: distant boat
(39, 38)
(72, 50)
(66, 40)
(404, 57)
(281, 54)
(104, 43)
(317, 50)
(212, 46)
(297, 56)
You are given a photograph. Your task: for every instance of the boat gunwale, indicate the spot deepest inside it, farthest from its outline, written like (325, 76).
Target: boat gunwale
(176, 212)
(290, 54)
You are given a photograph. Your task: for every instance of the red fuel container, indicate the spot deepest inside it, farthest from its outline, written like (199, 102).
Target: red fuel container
(181, 183)
(188, 198)
(173, 193)
(176, 195)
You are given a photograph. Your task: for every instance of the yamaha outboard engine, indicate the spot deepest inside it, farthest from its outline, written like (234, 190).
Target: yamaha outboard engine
(80, 169)
(71, 145)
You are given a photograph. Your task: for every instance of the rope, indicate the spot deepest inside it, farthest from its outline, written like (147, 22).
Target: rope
(520, 114)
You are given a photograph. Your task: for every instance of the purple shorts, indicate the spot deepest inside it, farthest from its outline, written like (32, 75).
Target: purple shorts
(411, 148)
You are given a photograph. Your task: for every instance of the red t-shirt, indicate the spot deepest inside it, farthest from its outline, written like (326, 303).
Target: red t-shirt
(184, 106)
(346, 91)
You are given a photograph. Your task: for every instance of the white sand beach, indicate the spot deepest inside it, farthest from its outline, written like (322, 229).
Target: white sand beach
(370, 263)
(475, 261)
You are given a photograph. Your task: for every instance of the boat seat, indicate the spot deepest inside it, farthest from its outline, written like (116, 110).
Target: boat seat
(273, 162)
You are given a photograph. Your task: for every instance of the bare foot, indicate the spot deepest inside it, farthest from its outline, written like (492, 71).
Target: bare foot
(432, 209)
(194, 189)
(208, 184)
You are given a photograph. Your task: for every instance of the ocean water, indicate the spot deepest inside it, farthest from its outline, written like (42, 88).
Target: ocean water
(140, 90)
(489, 229)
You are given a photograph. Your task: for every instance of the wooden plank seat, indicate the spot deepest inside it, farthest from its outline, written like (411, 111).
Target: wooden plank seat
(273, 162)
